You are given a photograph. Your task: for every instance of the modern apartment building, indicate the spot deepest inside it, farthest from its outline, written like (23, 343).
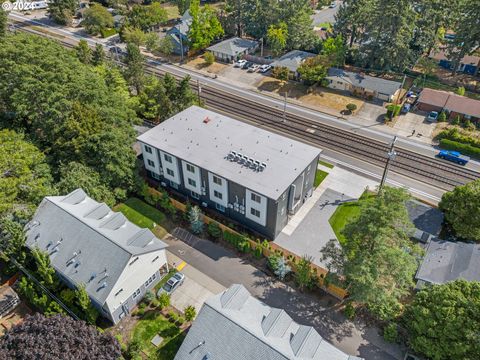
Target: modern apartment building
(256, 177)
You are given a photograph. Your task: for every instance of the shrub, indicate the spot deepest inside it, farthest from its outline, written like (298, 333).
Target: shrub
(393, 110)
(244, 245)
(172, 316)
(149, 297)
(466, 149)
(209, 58)
(390, 333)
(280, 73)
(140, 311)
(190, 312)
(349, 311)
(180, 320)
(232, 238)
(257, 252)
(279, 266)
(195, 218)
(142, 306)
(468, 125)
(133, 349)
(456, 120)
(214, 230)
(351, 107)
(442, 117)
(305, 276)
(163, 300)
(461, 91)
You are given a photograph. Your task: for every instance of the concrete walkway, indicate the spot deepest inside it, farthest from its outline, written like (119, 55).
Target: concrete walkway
(318, 310)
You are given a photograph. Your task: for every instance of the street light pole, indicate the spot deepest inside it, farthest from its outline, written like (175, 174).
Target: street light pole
(390, 157)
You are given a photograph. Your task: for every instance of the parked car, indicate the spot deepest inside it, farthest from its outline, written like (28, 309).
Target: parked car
(332, 5)
(454, 156)
(265, 68)
(172, 284)
(247, 65)
(239, 63)
(253, 68)
(432, 116)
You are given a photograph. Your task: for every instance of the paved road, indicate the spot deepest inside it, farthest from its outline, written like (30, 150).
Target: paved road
(319, 311)
(326, 15)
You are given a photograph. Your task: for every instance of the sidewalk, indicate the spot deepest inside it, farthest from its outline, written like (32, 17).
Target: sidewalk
(318, 310)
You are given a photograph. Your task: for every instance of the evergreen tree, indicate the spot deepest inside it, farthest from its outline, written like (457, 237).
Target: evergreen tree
(3, 23)
(84, 53)
(62, 11)
(98, 55)
(195, 218)
(134, 72)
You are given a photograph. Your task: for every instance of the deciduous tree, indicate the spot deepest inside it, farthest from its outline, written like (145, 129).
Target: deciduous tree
(462, 210)
(205, 26)
(135, 36)
(443, 321)
(57, 337)
(146, 17)
(97, 19)
(314, 70)
(62, 11)
(335, 50)
(277, 36)
(3, 23)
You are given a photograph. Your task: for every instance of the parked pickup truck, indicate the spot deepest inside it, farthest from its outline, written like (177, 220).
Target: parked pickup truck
(454, 156)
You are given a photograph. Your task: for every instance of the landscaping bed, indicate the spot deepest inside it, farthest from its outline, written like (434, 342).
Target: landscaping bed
(320, 175)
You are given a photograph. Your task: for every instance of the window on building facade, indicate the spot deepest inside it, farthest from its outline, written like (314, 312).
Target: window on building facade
(170, 172)
(217, 194)
(136, 293)
(148, 149)
(167, 158)
(255, 212)
(150, 163)
(255, 198)
(217, 180)
(220, 207)
(192, 182)
(190, 168)
(195, 195)
(150, 280)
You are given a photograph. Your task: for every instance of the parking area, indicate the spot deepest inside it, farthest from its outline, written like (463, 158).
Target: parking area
(410, 122)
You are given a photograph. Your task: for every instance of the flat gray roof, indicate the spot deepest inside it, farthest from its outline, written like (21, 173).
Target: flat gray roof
(87, 242)
(293, 59)
(446, 261)
(205, 138)
(233, 325)
(368, 82)
(233, 46)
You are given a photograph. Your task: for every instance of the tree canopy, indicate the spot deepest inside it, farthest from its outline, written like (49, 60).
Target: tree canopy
(145, 17)
(205, 26)
(97, 19)
(62, 11)
(277, 36)
(378, 258)
(69, 110)
(443, 321)
(462, 210)
(57, 337)
(24, 174)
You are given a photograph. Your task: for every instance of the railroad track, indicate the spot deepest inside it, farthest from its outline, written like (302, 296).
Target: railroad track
(407, 163)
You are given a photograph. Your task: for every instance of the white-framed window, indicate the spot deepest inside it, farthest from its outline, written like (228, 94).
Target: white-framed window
(148, 149)
(190, 168)
(168, 158)
(136, 293)
(170, 172)
(192, 182)
(150, 280)
(218, 194)
(195, 195)
(220, 207)
(155, 176)
(217, 180)
(173, 184)
(151, 163)
(256, 198)
(255, 212)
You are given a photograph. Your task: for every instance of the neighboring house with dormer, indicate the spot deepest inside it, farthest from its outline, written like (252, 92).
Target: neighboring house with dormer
(179, 34)
(233, 325)
(90, 244)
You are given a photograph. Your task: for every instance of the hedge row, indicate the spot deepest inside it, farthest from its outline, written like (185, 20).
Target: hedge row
(465, 149)
(455, 135)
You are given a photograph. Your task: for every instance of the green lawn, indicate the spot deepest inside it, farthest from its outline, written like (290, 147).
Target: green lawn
(143, 215)
(154, 323)
(165, 279)
(325, 25)
(172, 11)
(345, 213)
(319, 177)
(324, 163)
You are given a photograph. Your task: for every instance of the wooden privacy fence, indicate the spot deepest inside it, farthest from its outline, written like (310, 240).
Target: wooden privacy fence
(291, 258)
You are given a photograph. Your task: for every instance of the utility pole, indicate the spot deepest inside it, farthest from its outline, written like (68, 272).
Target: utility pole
(199, 90)
(261, 47)
(181, 44)
(285, 107)
(390, 157)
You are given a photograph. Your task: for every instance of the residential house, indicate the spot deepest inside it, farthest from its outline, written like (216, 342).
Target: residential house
(447, 261)
(426, 219)
(179, 34)
(455, 105)
(251, 175)
(89, 244)
(469, 64)
(233, 49)
(233, 325)
(363, 85)
(292, 61)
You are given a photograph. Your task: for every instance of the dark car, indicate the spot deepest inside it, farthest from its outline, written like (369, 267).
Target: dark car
(247, 65)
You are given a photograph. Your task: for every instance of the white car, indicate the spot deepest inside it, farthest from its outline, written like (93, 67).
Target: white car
(253, 68)
(174, 282)
(264, 68)
(240, 63)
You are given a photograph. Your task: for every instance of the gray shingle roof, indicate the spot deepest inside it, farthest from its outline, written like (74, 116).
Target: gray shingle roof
(425, 218)
(368, 82)
(87, 242)
(253, 331)
(292, 60)
(204, 138)
(446, 261)
(233, 46)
